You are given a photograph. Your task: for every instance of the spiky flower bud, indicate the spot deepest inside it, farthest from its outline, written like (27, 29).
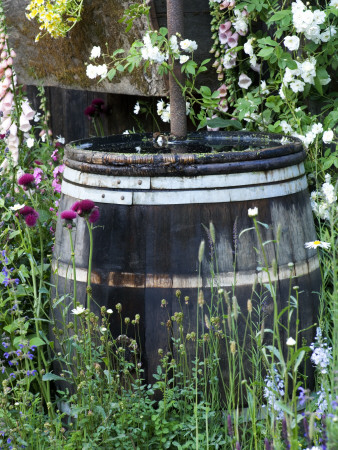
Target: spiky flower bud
(235, 307)
(212, 232)
(200, 299)
(201, 251)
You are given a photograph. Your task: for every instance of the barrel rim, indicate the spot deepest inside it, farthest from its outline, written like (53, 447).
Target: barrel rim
(79, 156)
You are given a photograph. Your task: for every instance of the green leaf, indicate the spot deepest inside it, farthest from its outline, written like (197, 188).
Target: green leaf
(190, 67)
(205, 91)
(36, 341)
(284, 408)
(279, 16)
(13, 234)
(265, 225)
(118, 51)
(318, 85)
(291, 64)
(44, 215)
(267, 41)
(111, 74)
(277, 354)
(43, 290)
(223, 123)
(265, 52)
(299, 359)
(12, 327)
(51, 377)
(163, 31)
(206, 61)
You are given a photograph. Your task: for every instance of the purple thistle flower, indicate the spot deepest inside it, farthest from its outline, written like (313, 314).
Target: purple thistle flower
(31, 219)
(84, 207)
(68, 215)
(75, 206)
(98, 102)
(26, 180)
(94, 215)
(90, 111)
(26, 210)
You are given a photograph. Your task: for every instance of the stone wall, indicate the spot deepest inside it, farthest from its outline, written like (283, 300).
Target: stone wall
(61, 62)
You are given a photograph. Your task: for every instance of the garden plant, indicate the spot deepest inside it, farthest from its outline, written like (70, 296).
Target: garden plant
(84, 388)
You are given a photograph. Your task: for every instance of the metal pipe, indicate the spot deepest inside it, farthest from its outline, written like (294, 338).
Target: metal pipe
(178, 118)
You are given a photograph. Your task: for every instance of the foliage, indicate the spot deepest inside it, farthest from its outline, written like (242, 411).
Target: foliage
(55, 17)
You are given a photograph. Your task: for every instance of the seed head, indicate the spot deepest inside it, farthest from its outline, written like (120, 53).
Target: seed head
(235, 307)
(200, 299)
(201, 251)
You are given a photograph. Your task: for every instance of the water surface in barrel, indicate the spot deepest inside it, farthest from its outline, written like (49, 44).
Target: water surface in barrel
(161, 144)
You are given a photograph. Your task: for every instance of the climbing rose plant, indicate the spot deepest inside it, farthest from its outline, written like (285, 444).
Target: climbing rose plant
(271, 59)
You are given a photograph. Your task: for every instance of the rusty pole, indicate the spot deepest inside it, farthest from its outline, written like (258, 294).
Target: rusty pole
(178, 118)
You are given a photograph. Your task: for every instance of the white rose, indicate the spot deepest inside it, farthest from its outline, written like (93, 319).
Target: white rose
(188, 45)
(184, 59)
(317, 128)
(91, 71)
(96, 52)
(327, 136)
(292, 43)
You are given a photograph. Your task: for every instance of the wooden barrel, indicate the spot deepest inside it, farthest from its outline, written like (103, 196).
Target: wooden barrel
(152, 210)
